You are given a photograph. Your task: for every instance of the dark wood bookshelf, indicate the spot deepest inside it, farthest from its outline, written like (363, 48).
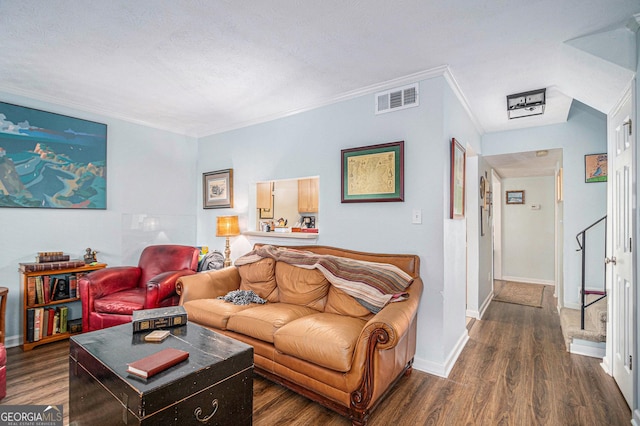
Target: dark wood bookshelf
(24, 276)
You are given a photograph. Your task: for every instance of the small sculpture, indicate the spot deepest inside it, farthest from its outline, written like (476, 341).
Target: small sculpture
(90, 256)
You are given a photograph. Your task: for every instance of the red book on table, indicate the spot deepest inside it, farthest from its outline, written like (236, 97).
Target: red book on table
(157, 362)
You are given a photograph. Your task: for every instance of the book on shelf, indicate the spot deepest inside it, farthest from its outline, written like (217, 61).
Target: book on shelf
(46, 288)
(50, 253)
(31, 291)
(39, 290)
(64, 312)
(56, 322)
(36, 324)
(51, 313)
(30, 320)
(74, 325)
(51, 266)
(72, 281)
(151, 319)
(54, 288)
(155, 363)
(45, 257)
(44, 322)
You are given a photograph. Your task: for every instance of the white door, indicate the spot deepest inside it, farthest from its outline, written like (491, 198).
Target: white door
(620, 260)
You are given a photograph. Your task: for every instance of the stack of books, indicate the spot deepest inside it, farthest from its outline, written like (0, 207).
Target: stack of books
(50, 261)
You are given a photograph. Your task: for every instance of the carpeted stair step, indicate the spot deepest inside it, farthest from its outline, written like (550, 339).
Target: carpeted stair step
(596, 314)
(595, 323)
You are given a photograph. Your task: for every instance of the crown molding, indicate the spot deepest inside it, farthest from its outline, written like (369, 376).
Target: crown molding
(199, 132)
(453, 84)
(79, 108)
(378, 87)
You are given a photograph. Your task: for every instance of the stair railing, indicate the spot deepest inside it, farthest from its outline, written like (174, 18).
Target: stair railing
(581, 237)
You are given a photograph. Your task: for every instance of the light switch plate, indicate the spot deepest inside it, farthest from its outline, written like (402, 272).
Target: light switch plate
(416, 216)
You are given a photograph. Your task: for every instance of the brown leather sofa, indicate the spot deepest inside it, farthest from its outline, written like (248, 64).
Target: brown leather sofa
(311, 336)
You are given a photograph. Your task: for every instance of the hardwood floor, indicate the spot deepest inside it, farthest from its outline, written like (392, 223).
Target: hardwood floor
(513, 371)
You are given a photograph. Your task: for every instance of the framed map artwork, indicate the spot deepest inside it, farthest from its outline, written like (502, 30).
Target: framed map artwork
(49, 160)
(373, 173)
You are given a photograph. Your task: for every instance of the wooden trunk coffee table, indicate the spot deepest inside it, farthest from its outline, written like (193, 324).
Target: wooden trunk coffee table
(213, 386)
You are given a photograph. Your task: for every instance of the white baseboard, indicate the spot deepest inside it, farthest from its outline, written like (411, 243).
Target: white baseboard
(528, 280)
(472, 313)
(485, 304)
(572, 305)
(442, 370)
(587, 348)
(480, 313)
(12, 341)
(636, 417)
(606, 366)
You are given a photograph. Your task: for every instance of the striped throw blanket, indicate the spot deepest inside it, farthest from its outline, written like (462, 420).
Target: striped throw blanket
(372, 284)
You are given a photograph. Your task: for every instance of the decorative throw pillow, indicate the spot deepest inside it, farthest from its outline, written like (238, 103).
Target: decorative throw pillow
(299, 286)
(261, 278)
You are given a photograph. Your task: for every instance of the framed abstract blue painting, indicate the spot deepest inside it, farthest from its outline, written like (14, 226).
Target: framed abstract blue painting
(51, 161)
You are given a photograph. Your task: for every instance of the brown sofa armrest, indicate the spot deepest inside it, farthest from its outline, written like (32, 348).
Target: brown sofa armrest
(384, 331)
(208, 285)
(395, 318)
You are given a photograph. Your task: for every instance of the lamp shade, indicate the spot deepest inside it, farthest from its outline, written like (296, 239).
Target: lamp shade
(227, 226)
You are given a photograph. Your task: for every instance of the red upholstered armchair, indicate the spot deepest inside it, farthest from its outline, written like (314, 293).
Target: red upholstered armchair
(109, 296)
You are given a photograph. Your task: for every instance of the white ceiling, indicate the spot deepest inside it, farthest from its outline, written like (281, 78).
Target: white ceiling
(198, 67)
(526, 164)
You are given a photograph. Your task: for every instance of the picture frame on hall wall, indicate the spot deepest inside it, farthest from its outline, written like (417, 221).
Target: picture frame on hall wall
(50, 160)
(373, 173)
(515, 197)
(595, 168)
(217, 189)
(457, 184)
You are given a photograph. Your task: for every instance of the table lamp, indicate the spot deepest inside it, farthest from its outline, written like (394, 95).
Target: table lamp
(227, 226)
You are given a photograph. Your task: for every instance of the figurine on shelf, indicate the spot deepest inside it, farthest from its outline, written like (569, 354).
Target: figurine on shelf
(90, 256)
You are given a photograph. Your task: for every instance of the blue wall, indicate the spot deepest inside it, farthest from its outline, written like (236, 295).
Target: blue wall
(149, 172)
(309, 144)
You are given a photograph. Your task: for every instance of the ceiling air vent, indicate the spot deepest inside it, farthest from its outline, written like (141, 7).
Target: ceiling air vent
(398, 98)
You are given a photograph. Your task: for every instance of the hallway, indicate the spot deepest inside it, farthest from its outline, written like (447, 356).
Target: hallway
(515, 371)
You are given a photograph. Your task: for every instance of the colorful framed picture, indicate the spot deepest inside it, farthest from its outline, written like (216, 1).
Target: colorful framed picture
(515, 197)
(49, 160)
(217, 189)
(373, 173)
(595, 168)
(457, 184)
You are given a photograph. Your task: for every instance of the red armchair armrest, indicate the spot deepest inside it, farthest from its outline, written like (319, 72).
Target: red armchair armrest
(102, 282)
(163, 286)
(109, 280)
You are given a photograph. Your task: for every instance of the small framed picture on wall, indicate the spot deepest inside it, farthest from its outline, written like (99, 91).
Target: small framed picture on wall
(595, 168)
(217, 189)
(515, 197)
